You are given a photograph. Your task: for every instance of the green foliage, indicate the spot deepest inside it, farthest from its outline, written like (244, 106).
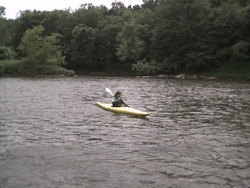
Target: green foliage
(232, 72)
(107, 30)
(131, 46)
(2, 11)
(6, 53)
(27, 20)
(54, 70)
(10, 67)
(83, 46)
(42, 50)
(147, 68)
(180, 36)
(18, 67)
(238, 51)
(192, 36)
(7, 27)
(89, 15)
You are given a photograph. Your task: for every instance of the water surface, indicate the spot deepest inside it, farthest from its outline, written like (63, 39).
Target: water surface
(52, 134)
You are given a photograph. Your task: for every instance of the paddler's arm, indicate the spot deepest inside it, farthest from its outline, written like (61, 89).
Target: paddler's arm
(124, 103)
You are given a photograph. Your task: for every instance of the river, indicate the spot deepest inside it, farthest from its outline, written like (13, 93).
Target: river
(52, 134)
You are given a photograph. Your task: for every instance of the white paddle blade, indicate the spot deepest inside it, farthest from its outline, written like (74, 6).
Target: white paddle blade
(109, 91)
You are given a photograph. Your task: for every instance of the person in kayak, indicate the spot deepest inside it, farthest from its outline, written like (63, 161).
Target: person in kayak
(117, 100)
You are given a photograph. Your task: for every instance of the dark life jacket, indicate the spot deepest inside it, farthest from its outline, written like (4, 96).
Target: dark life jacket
(117, 103)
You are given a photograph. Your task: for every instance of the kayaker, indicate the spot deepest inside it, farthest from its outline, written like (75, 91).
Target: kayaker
(117, 100)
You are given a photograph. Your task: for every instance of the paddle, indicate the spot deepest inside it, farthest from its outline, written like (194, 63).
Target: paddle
(111, 93)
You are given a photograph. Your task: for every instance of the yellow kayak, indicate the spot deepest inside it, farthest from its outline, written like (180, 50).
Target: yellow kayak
(124, 110)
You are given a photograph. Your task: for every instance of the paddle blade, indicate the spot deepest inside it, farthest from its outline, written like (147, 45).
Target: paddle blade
(109, 91)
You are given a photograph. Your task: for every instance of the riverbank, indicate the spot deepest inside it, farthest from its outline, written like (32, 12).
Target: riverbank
(239, 72)
(27, 68)
(213, 75)
(233, 72)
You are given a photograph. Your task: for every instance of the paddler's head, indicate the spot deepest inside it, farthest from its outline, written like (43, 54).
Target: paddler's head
(118, 94)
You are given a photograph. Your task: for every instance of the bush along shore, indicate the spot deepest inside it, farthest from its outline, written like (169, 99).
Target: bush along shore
(26, 68)
(209, 76)
(217, 75)
(239, 72)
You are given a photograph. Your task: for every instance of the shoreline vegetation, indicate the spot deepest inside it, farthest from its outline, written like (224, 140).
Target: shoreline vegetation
(25, 68)
(162, 38)
(12, 68)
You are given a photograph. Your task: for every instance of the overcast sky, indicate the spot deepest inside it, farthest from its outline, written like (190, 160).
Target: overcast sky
(14, 6)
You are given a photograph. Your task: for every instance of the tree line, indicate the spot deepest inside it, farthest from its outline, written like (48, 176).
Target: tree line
(158, 36)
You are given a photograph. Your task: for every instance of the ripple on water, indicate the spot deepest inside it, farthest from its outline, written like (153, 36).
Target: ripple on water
(53, 135)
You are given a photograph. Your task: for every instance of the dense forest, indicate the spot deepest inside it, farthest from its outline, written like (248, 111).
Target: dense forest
(158, 36)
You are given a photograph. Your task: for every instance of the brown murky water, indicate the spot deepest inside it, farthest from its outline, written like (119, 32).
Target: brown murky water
(53, 135)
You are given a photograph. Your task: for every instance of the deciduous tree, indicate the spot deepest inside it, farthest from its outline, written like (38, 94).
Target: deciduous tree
(40, 49)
